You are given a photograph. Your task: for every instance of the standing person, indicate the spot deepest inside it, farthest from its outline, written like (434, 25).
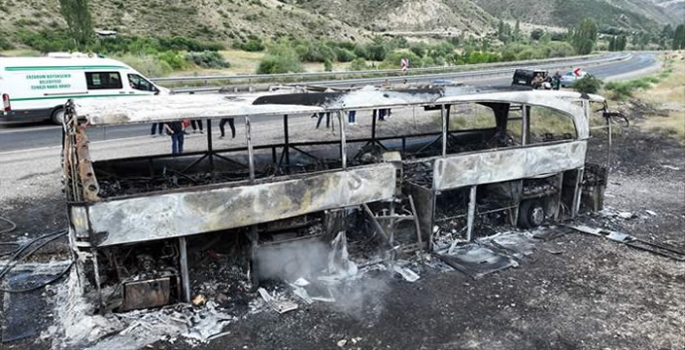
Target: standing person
(177, 132)
(556, 81)
(381, 114)
(328, 119)
(537, 81)
(352, 117)
(231, 124)
(199, 126)
(158, 127)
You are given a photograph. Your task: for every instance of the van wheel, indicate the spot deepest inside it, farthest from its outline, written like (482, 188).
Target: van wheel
(58, 116)
(531, 214)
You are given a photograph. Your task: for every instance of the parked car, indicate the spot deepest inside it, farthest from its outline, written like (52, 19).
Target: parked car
(568, 78)
(525, 77)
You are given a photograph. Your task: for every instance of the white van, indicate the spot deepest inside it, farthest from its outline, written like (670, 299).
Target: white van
(34, 88)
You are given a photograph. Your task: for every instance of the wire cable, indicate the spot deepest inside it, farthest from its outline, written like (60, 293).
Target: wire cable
(12, 224)
(15, 259)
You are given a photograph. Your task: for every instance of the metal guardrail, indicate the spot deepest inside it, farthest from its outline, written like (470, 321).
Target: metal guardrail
(467, 67)
(452, 72)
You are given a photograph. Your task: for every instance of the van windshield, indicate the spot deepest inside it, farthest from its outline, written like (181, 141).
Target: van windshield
(139, 83)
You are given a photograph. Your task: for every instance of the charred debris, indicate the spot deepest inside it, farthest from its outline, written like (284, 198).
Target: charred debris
(156, 230)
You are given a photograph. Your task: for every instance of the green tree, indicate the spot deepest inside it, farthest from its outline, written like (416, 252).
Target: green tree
(621, 42)
(679, 38)
(517, 31)
(588, 84)
(537, 33)
(667, 32)
(585, 36)
(77, 15)
(281, 58)
(612, 43)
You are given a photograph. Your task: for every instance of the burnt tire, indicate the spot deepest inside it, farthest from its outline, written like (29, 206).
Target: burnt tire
(531, 214)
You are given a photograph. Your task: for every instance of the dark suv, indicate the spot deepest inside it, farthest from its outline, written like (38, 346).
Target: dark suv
(525, 77)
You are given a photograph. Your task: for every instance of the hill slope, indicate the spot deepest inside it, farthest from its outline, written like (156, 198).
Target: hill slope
(628, 14)
(675, 7)
(405, 15)
(234, 20)
(221, 20)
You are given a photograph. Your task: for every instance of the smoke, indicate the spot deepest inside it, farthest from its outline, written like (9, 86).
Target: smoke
(357, 292)
(290, 261)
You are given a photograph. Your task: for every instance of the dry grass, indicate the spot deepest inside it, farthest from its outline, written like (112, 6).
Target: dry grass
(668, 95)
(243, 62)
(671, 126)
(671, 89)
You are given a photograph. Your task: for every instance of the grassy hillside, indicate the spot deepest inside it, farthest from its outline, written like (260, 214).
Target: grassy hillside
(628, 14)
(213, 20)
(405, 15)
(231, 21)
(674, 7)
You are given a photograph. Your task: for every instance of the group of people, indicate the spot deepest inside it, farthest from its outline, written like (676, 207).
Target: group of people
(177, 131)
(382, 114)
(554, 81)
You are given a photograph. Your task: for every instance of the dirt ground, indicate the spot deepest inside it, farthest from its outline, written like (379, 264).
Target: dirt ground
(574, 292)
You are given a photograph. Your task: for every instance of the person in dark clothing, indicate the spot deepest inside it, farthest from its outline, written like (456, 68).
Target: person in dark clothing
(196, 124)
(231, 124)
(328, 119)
(556, 81)
(381, 114)
(159, 127)
(175, 129)
(352, 117)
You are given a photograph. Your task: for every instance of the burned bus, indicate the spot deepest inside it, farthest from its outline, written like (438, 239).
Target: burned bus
(484, 160)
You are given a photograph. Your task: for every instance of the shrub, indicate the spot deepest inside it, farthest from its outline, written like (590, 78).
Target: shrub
(428, 62)
(589, 84)
(281, 58)
(376, 52)
(279, 64)
(560, 49)
(508, 55)
(537, 33)
(419, 49)
(174, 59)
(328, 66)
(253, 45)
(4, 43)
(46, 41)
(344, 55)
(393, 60)
(477, 57)
(150, 66)
(360, 51)
(207, 59)
(619, 90)
(623, 90)
(358, 64)
(317, 52)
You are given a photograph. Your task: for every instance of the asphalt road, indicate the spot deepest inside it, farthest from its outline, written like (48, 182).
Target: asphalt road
(22, 137)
